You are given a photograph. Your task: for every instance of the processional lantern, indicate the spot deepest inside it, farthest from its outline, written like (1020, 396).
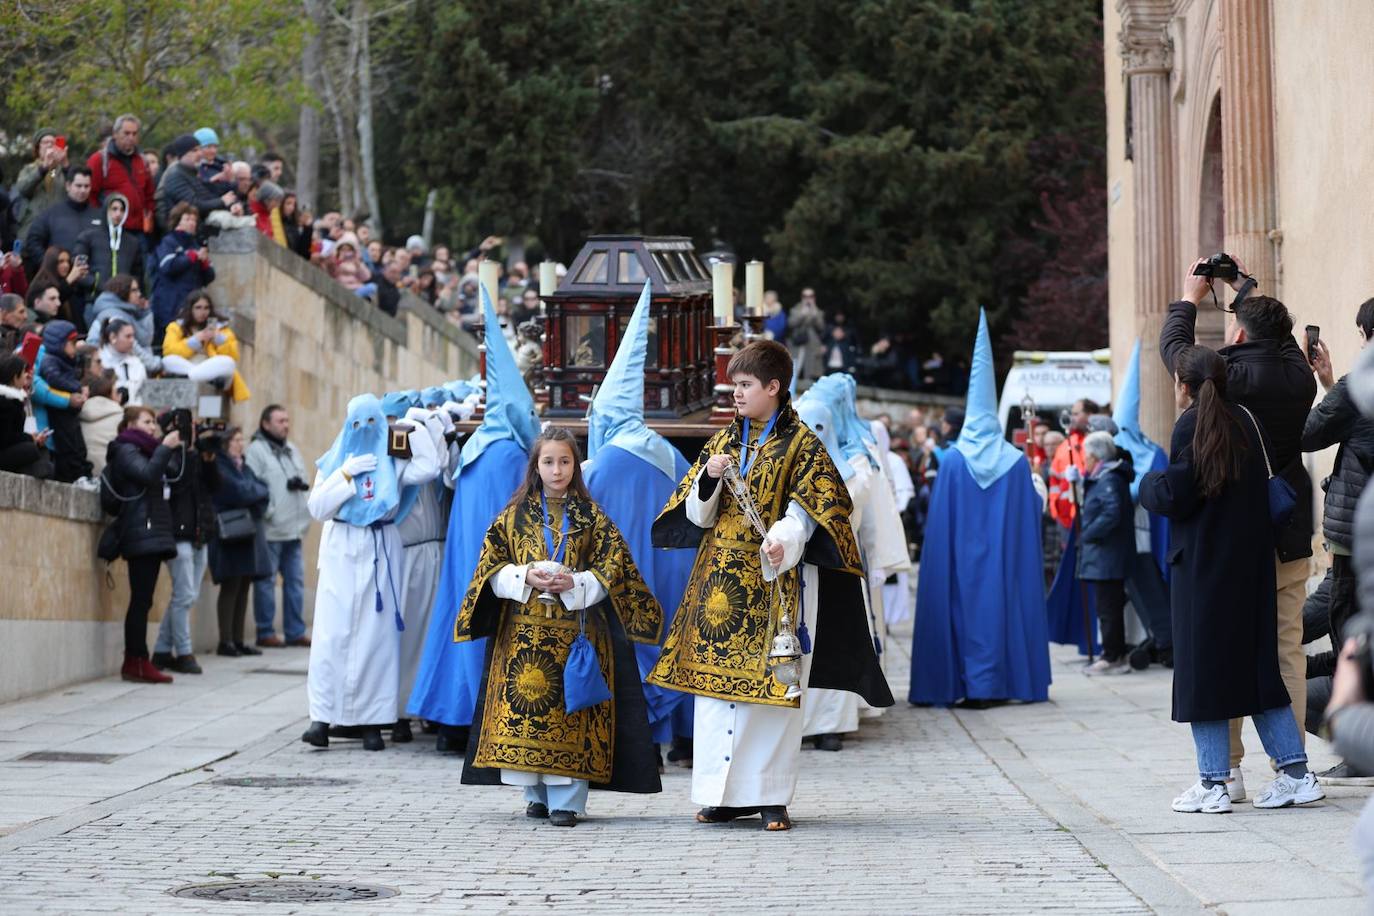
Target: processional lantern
(587, 314)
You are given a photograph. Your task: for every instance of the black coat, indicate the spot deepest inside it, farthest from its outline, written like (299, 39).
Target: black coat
(105, 262)
(1274, 380)
(240, 488)
(144, 520)
(1337, 421)
(180, 183)
(60, 225)
(192, 508)
(1221, 556)
(1108, 521)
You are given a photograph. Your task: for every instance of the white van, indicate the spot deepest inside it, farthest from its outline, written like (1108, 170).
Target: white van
(1053, 381)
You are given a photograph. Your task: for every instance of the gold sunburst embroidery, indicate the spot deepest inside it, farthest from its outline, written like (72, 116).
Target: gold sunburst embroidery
(717, 608)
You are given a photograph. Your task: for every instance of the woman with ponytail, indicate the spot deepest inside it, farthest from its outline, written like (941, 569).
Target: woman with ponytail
(1221, 556)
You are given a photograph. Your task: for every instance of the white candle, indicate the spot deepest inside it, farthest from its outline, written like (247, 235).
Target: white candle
(489, 275)
(548, 278)
(753, 287)
(723, 290)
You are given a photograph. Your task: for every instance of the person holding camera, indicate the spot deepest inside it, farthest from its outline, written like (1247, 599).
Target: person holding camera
(1337, 421)
(193, 525)
(277, 462)
(238, 552)
(139, 464)
(1215, 492)
(1268, 373)
(200, 345)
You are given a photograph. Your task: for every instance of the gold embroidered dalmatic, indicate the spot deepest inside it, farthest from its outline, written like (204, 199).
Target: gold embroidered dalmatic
(524, 723)
(719, 640)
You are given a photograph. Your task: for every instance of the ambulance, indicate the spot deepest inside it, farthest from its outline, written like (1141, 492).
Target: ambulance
(1053, 381)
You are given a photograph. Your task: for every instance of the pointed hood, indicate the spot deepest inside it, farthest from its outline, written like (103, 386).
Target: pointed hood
(1127, 417)
(818, 417)
(510, 412)
(377, 492)
(396, 403)
(837, 391)
(986, 451)
(617, 414)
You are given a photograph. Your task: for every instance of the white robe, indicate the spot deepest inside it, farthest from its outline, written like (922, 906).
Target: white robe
(355, 649)
(883, 539)
(422, 532)
(836, 712)
(749, 754)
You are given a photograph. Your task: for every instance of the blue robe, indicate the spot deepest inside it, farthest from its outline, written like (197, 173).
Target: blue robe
(630, 491)
(980, 608)
(451, 673)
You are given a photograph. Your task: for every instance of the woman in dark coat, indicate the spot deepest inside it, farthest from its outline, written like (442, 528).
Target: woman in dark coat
(235, 565)
(137, 468)
(1221, 555)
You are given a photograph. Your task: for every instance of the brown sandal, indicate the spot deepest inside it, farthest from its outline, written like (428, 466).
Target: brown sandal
(723, 815)
(775, 818)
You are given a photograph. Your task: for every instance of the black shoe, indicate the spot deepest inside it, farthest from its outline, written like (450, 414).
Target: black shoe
(681, 752)
(317, 734)
(186, 664)
(775, 818)
(721, 814)
(345, 731)
(563, 818)
(372, 739)
(1142, 655)
(400, 732)
(972, 703)
(227, 649)
(1166, 657)
(163, 660)
(829, 743)
(453, 739)
(245, 649)
(537, 810)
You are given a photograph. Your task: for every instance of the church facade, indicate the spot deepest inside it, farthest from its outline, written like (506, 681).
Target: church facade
(1241, 126)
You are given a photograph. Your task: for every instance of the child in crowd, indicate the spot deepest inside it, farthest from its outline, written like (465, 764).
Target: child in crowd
(551, 718)
(58, 368)
(23, 447)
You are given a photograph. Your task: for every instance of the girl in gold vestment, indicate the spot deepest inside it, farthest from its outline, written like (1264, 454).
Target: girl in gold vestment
(523, 731)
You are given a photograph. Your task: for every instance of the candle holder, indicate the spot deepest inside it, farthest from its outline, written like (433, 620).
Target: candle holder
(753, 327)
(723, 406)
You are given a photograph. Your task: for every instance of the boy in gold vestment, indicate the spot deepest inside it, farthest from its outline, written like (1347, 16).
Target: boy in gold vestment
(747, 730)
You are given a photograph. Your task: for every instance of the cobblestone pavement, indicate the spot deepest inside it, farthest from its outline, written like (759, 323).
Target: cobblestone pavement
(1057, 807)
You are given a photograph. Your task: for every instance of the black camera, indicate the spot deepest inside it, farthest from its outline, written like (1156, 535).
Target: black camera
(297, 484)
(209, 435)
(1220, 266)
(179, 419)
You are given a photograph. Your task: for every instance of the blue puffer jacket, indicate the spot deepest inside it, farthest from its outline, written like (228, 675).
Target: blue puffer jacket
(1108, 545)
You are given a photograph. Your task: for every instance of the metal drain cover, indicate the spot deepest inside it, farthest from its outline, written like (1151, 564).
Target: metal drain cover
(67, 757)
(285, 892)
(280, 782)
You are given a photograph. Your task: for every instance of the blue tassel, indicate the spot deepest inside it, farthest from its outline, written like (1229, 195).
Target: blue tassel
(400, 624)
(877, 646)
(378, 593)
(804, 637)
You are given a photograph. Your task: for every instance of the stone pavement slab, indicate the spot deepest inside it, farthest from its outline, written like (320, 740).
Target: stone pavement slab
(1058, 807)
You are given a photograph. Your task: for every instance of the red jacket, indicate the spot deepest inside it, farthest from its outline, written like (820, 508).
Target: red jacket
(12, 280)
(1070, 452)
(109, 173)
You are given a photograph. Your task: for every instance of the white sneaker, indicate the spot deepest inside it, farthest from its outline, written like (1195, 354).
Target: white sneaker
(86, 483)
(1285, 791)
(1102, 666)
(1201, 800)
(1235, 785)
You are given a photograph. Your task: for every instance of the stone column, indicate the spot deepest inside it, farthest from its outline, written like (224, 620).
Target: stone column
(1247, 138)
(1148, 56)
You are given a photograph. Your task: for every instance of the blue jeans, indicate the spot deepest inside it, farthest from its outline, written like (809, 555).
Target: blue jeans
(287, 560)
(1278, 731)
(188, 571)
(572, 797)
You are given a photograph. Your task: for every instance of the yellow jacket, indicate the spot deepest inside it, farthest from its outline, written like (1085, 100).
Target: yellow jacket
(175, 343)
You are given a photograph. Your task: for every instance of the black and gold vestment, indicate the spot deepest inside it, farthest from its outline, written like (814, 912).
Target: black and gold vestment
(719, 640)
(521, 721)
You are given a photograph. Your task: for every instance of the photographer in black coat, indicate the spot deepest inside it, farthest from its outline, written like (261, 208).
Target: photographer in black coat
(135, 483)
(193, 525)
(1267, 372)
(1337, 421)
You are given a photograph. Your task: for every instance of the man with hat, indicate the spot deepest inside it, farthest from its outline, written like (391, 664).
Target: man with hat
(182, 182)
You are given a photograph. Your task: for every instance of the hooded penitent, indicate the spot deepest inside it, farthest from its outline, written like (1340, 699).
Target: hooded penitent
(376, 493)
(396, 403)
(491, 466)
(980, 630)
(631, 471)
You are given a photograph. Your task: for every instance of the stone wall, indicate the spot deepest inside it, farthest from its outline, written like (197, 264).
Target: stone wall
(305, 342)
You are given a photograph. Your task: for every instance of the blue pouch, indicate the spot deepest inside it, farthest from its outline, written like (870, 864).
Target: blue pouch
(583, 684)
